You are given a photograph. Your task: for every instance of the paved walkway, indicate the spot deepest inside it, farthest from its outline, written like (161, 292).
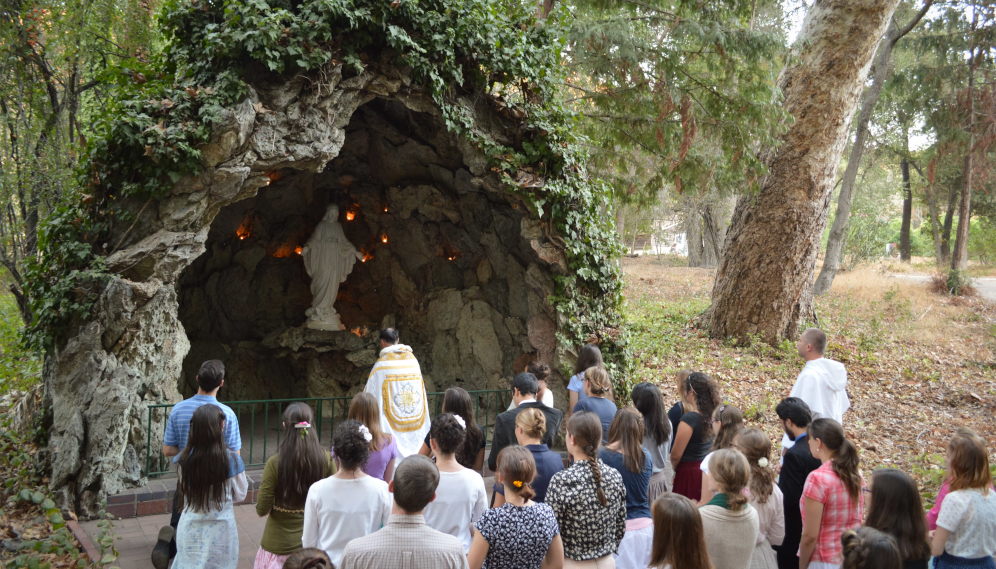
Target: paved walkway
(137, 537)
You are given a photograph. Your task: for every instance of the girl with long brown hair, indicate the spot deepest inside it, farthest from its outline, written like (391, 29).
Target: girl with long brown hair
(521, 534)
(588, 498)
(731, 523)
(693, 437)
(626, 454)
(383, 448)
(212, 478)
(288, 475)
(679, 538)
(966, 527)
(896, 508)
(946, 486)
(649, 402)
(589, 356)
(470, 455)
(727, 421)
(832, 500)
(765, 496)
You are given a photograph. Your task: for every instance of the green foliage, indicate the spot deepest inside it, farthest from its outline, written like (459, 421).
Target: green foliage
(20, 369)
(959, 282)
(64, 284)
(866, 237)
(982, 239)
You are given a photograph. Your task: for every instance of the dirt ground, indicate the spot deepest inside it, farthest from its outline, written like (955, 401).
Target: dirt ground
(919, 364)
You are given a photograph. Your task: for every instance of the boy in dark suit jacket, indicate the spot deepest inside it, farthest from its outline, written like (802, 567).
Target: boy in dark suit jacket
(797, 463)
(524, 388)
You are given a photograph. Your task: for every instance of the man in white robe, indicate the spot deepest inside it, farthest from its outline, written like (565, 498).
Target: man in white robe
(396, 382)
(822, 383)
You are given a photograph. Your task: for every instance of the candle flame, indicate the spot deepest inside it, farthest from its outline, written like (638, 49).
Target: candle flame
(298, 250)
(383, 238)
(350, 215)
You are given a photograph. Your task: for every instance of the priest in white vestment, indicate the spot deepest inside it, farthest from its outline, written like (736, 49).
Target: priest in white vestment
(396, 382)
(822, 383)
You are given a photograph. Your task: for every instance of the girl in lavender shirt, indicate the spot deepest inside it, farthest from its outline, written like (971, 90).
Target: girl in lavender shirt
(383, 449)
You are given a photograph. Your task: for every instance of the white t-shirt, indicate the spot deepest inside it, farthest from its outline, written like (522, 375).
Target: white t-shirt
(971, 519)
(337, 511)
(460, 500)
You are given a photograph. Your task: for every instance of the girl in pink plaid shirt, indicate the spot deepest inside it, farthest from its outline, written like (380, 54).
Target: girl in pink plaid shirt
(832, 500)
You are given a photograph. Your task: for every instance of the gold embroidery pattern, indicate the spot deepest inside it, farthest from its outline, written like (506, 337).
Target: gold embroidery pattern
(404, 401)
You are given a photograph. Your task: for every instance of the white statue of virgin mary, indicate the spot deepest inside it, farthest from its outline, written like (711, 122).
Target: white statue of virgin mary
(328, 258)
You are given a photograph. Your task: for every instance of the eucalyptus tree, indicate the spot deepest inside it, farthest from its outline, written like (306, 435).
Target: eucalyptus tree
(764, 286)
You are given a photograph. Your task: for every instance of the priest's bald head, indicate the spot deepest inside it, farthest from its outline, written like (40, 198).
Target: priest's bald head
(812, 344)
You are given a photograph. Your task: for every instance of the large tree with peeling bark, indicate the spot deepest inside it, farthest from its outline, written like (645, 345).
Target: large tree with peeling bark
(765, 283)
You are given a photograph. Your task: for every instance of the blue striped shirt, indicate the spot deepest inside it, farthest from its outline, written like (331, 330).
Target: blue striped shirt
(178, 424)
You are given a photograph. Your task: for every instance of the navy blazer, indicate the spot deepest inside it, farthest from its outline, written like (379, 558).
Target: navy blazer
(505, 429)
(796, 466)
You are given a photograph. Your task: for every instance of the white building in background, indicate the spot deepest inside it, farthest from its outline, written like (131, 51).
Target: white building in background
(668, 238)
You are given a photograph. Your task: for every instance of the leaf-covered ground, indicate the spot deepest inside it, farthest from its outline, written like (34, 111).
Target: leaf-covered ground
(919, 364)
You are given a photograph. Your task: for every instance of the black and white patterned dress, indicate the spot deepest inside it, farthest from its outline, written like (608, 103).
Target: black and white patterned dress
(588, 529)
(518, 538)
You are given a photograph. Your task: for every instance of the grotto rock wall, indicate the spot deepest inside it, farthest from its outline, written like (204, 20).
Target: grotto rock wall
(473, 319)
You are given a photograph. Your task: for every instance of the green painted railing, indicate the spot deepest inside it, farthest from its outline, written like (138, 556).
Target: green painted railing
(256, 415)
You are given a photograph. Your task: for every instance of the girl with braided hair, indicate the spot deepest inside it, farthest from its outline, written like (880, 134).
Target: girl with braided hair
(521, 534)
(868, 548)
(589, 498)
(694, 436)
(832, 500)
(765, 496)
(730, 522)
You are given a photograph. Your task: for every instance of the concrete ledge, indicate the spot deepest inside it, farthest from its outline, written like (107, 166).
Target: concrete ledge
(157, 497)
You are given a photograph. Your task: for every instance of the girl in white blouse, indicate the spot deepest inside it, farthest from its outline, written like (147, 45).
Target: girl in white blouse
(460, 497)
(350, 503)
(966, 526)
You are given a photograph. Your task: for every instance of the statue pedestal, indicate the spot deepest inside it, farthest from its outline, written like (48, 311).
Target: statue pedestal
(327, 323)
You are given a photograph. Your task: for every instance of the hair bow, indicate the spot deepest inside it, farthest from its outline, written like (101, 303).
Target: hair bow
(460, 421)
(303, 425)
(366, 433)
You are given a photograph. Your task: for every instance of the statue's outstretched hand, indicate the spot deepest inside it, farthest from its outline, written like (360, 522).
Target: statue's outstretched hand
(359, 256)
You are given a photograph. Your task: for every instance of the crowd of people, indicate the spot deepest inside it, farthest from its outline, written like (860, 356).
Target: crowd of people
(689, 488)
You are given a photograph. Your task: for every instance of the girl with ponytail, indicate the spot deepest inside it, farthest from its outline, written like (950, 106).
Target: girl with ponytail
(731, 524)
(520, 533)
(832, 499)
(765, 496)
(588, 498)
(693, 437)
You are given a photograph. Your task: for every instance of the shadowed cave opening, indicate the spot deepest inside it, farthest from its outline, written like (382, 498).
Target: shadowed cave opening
(445, 262)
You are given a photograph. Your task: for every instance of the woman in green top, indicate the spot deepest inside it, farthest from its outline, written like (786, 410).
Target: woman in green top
(286, 479)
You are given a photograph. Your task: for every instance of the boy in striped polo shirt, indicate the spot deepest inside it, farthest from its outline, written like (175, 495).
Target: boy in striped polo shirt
(210, 378)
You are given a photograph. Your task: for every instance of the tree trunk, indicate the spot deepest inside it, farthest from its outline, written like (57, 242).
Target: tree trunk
(932, 203)
(693, 232)
(904, 231)
(764, 285)
(948, 222)
(835, 242)
(959, 257)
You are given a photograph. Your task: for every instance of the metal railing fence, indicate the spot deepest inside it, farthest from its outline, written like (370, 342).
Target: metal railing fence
(256, 425)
